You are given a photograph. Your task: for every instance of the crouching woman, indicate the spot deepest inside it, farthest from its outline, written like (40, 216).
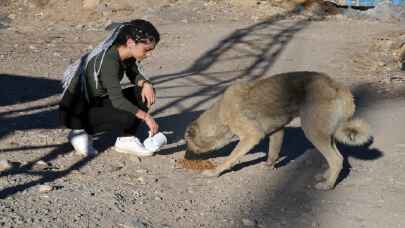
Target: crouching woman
(93, 100)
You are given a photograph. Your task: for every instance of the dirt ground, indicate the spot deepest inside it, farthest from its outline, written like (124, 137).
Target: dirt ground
(206, 45)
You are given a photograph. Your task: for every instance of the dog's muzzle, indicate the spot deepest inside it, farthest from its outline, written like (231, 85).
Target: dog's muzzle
(190, 155)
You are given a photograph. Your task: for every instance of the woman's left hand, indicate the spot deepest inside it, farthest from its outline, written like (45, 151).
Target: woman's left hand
(148, 94)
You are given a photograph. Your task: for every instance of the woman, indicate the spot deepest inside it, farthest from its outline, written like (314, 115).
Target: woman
(93, 100)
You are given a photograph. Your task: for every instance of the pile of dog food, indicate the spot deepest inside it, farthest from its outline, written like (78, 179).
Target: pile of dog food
(194, 164)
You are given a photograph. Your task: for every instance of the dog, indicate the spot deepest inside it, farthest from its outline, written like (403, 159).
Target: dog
(254, 109)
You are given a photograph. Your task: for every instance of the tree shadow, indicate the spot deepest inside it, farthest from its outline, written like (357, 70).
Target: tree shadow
(253, 49)
(18, 89)
(46, 176)
(295, 145)
(294, 193)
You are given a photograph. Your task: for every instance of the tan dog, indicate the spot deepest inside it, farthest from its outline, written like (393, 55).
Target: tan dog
(252, 110)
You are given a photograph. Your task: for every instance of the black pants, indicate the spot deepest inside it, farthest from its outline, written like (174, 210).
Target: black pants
(99, 115)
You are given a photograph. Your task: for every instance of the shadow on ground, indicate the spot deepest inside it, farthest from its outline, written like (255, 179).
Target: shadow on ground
(289, 201)
(4, 22)
(257, 46)
(19, 89)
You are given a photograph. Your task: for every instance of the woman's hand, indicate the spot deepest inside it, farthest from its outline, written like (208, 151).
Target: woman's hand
(149, 121)
(153, 126)
(148, 94)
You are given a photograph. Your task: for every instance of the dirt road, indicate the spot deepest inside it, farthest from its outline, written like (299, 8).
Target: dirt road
(190, 69)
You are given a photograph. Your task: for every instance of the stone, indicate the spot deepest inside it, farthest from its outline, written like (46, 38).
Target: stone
(44, 188)
(5, 165)
(248, 222)
(401, 57)
(90, 4)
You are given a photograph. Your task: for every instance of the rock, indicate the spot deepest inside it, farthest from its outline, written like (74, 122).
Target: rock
(5, 165)
(80, 26)
(40, 165)
(44, 188)
(144, 171)
(141, 180)
(248, 222)
(104, 9)
(40, 3)
(122, 5)
(12, 16)
(137, 223)
(90, 4)
(401, 57)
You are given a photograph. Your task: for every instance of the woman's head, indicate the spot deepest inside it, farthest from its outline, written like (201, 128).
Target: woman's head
(139, 36)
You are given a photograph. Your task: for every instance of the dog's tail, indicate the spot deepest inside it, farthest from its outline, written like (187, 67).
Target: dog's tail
(353, 132)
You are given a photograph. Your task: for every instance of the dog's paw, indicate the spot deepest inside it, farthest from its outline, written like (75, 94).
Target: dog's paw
(323, 186)
(271, 165)
(210, 173)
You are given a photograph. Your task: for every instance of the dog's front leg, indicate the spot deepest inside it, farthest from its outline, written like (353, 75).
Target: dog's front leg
(276, 140)
(244, 146)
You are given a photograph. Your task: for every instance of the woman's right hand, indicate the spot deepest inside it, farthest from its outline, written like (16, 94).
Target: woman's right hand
(149, 121)
(153, 126)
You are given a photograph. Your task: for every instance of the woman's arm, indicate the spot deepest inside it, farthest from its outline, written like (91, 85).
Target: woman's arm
(136, 77)
(109, 77)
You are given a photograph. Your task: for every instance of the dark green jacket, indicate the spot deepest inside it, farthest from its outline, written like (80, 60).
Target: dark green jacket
(111, 73)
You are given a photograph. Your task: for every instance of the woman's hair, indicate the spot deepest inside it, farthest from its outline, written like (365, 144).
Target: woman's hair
(140, 31)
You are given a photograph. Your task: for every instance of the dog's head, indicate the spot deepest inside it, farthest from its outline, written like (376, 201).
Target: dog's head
(194, 139)
(204, 136)
(208, 132)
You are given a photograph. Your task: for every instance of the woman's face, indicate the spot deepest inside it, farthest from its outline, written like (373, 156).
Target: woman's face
(140, 51)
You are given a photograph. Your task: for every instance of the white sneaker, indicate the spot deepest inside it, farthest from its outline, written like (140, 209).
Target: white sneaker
(131, 145)
(82, 143)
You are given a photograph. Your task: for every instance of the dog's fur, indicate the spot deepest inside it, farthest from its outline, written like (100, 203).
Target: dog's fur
(252, 110)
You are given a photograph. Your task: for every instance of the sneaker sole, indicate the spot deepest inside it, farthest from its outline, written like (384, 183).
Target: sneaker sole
(122, 151)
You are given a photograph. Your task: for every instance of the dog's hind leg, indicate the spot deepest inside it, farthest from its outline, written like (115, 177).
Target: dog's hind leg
(276, 141)
(248, 138)
(319, 121)
(325, 145)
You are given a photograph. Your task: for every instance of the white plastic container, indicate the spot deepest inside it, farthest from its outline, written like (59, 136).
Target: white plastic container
(155, 142)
